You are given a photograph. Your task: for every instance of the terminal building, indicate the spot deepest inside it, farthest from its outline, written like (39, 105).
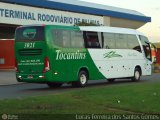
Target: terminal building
(62, 12)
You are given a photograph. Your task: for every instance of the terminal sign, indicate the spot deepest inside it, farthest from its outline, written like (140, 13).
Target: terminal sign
(23, 15)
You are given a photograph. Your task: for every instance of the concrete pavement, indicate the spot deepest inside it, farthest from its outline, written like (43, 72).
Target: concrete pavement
(30, 89)
(7, 77)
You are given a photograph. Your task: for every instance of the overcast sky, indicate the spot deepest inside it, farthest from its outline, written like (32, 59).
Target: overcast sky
(150, 8)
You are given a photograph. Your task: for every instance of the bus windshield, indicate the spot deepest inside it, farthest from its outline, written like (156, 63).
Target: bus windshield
(146, 47)
(34, 33)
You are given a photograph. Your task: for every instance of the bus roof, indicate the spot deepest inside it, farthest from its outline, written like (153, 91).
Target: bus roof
(110, 29)
(98, 29)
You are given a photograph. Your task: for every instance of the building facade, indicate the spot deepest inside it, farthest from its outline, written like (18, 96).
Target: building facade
(65, 12)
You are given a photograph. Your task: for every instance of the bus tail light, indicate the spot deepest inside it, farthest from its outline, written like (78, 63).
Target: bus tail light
(16, 66)
(19, 78)
(46, 65)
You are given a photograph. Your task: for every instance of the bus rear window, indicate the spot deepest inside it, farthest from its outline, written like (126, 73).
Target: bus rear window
(35, 33)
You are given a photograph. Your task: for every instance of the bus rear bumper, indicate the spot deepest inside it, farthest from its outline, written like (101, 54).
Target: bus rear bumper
(33, 78)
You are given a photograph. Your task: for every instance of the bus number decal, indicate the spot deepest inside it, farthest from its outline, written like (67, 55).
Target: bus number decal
(29, 45)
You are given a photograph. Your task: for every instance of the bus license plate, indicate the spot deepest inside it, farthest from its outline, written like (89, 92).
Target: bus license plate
(30, 77)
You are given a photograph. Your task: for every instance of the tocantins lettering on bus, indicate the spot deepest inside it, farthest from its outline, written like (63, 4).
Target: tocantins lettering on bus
(70, 55)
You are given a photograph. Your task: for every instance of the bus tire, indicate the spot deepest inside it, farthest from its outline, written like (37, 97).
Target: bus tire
(82, 79)
(137, 75)
(54, 85)
(110, 80)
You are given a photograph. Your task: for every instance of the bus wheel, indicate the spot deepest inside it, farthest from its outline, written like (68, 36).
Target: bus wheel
(54, 85)
(82, 79)
(110, 80)
(137, 75)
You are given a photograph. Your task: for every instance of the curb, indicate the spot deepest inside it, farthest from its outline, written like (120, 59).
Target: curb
(6, 70)
(11, 84)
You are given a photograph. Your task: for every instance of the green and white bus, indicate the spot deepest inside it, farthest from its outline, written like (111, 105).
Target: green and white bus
(55, 54)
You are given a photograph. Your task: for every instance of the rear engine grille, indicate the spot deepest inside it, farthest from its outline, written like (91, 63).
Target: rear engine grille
(30, 52)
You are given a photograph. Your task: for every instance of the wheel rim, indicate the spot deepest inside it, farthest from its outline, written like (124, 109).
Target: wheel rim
(83, 79)
(137, 75)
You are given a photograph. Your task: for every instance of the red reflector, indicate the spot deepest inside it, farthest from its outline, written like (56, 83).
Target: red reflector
(16, 66)
(46, 65)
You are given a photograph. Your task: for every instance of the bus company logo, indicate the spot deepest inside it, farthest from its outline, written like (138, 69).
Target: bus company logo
(29, 33)
(112, 54)
(70, 55)
(4, 117)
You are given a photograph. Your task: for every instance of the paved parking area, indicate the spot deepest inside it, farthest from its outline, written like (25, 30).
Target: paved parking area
(7, 77)
(10, 88)
(30, 89)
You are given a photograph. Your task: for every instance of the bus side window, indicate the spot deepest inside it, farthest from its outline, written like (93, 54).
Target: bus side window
(133, 43)
(109, 41)
(121, 41)
(77, 40)
(66, 35)
(91, 40)
(68, 38)
(57, 38)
